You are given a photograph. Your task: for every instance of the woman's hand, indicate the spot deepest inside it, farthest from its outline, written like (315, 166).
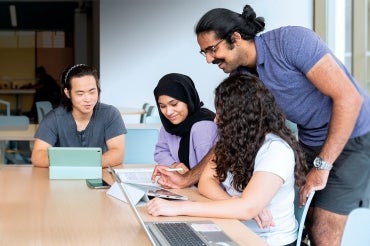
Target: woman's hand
(159, 206)
(180, 165)
(167, 179)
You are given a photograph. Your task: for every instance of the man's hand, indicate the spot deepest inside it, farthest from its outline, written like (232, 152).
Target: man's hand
(264, 219)
(315, 180)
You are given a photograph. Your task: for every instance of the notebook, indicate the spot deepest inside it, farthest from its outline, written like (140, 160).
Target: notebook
(187, 232)
(75, 162)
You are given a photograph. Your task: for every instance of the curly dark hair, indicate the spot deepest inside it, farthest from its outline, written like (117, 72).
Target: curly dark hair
(246, 111)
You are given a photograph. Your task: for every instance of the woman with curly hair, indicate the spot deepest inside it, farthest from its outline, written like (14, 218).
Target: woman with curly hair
(256, 164)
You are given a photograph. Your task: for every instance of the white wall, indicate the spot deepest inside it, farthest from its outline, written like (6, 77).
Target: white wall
(142, 40)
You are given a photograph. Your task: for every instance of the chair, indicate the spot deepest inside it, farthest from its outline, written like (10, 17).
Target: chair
(301, 212)
(153, 119)
(140, 145)
(43, 107)
(150, 112)
(357, 228)
(292, 127)
(7, 105)
(145, 107)
(13, 122)
(20, 150)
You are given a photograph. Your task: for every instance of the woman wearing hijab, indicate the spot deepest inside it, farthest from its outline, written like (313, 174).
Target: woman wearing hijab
(188, 130)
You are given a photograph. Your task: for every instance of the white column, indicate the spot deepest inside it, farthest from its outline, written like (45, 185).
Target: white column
(336, 31)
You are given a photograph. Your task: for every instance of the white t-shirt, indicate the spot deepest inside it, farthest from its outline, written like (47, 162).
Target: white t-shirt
(275, 156)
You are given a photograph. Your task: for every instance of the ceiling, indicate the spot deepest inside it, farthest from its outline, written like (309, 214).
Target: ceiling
(40, 15)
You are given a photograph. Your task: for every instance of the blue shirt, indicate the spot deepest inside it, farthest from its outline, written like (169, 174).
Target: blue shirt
(284, 56)
(59, 129)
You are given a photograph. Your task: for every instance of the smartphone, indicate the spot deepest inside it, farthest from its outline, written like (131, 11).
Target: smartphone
(97, 184)
(165, 194)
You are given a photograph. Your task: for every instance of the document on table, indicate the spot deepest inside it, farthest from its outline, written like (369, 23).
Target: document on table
(136, 180)
(140, 176)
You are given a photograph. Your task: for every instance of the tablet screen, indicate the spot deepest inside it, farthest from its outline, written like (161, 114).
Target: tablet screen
(165, 194)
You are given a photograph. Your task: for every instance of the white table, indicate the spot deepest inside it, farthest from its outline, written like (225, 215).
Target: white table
(131, 111)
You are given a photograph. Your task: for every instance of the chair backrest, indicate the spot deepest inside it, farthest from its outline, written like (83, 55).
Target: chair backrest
(151, 110)
(292, 127)
(357, 228)
(140, 145)
(301, 212)
(145, 107)
(7, 105)
(19, 122)
(43, 107)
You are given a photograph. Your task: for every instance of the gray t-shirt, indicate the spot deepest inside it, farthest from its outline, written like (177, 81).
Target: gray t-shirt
(58, 128)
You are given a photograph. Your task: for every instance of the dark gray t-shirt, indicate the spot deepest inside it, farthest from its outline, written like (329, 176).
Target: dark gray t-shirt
(58, 128)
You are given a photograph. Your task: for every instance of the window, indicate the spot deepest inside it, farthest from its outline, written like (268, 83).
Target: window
(49, 39)
(344, 26)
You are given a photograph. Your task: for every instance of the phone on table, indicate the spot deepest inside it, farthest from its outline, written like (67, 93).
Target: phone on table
(97, 184)
(165, 194)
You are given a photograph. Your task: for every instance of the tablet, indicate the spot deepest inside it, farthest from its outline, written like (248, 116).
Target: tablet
(75, 162)
(165, 194)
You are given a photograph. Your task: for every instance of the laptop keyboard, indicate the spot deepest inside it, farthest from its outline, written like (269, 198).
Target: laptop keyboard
(179, 233)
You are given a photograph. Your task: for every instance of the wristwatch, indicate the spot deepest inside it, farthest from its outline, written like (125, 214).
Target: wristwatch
(321, 164)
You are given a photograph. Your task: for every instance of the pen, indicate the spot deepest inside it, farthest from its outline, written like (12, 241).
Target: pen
(174, 169)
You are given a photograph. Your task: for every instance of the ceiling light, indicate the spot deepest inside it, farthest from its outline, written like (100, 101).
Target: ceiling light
(13, 15)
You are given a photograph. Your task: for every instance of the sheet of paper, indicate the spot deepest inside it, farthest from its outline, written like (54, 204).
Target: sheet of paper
(135, 194)
(136, 176)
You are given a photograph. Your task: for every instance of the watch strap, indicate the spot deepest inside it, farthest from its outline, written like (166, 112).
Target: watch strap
(321, 164)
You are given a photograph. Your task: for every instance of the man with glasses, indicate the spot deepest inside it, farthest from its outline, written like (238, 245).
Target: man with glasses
(316, 91)
(210, 50)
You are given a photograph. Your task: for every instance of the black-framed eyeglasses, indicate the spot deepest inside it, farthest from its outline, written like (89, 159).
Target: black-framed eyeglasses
(210, 50)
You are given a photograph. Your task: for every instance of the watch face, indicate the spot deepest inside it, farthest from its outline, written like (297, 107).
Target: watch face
(321, 164)
(317, 162)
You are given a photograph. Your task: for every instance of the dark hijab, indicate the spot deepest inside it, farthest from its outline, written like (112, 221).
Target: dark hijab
(182, 88)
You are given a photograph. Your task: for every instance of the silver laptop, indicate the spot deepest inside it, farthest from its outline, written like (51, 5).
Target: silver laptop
(172, 233)
(75, 162)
